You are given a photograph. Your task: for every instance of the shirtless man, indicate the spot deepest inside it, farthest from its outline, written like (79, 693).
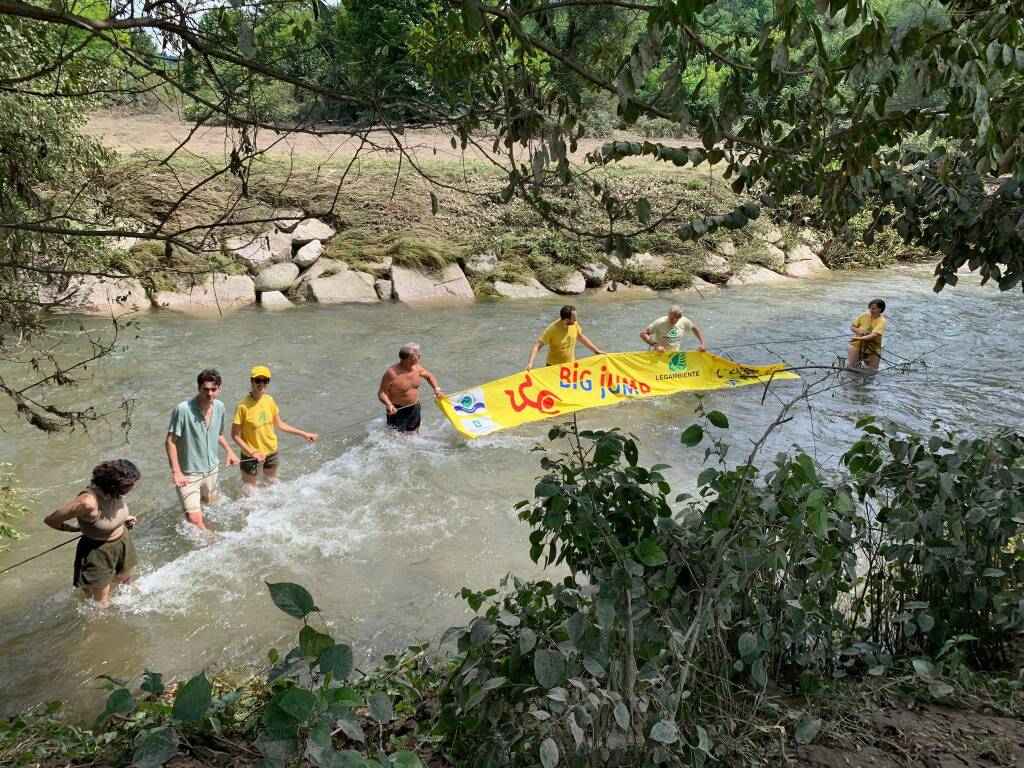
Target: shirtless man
(399, 389)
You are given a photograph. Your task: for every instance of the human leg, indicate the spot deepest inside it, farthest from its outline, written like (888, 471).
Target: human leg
(270, 468)
(872, 361)
(191, 497)
(852, 356)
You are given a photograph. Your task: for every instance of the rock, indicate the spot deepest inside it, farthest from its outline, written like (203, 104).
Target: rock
(307, 255)
(277, 277)
(384, 289)
(280, 245)
(774, 257)
(308, 230)
(274, 300)
(753, 274)
(727, 248)
(569, 283)
(812, 239)
(594, 273)
(378, 268)
(218, 292)
(344, 288)
(715, 268)
(528, 289)
(480, 264)
(415, 287)
(254, 252)
(773, 235)
(646, 261)
(322, 268)
(699, 286)
(89, 295)
(628, 289)
(125, 243)
(801, 261)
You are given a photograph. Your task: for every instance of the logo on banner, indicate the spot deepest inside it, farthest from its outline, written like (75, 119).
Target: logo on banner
(543, 401)
(677, 362)
(469, 402)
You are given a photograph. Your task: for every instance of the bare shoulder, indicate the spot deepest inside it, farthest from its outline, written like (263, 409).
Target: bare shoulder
(83, 504)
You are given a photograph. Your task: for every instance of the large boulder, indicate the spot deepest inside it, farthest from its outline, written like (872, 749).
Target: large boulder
(569, 283)
(629, 289)
(307, 255)
(217, 293)
(89, 295)
(384, 289)
(277, 277)
(480, 263)
(379, 268)
(727, 248)
(279, 244)
(812, 239)
(344, 288)
(415, 287)
(715, 269)
(772, 235)
(753, 274)
(274, 300)
(254, 251)
(594, 273)
(322, 268)
(773, 257)
(528, 289)
(801, 261)
(700, 286)
(308, 230)
(649, 261)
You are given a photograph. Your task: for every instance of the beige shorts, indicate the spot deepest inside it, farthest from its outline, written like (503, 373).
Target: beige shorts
(200, 489)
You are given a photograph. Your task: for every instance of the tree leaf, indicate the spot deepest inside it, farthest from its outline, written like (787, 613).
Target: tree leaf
(433, 203)
(692, 435)
(380, 707)
(527, 640)
(292, 599)
(718, 419)
(549, 753)
(649, 553)
(405, 760)
(806, 729)
(298, 703)
(351, 730)
(119, 702)
(313, 643)
(152, 683)
(192, 700)
(643, 210)
(337, 659)
(481, 631)
(748, 645)
(154, 747)
(621, 714)
(548, 666)
(665, 732)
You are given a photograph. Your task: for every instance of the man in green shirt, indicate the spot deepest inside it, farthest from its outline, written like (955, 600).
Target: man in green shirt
(666, 333)
(194, 435)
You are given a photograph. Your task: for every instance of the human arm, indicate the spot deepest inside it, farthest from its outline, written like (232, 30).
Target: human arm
(310, 436)
(177, 475)
(700, 338)
(589, 344)
(438, 394)
(382, 392)
(533, 353)
(232, 459)
(83, 505)
(236, 435)
(645, 336)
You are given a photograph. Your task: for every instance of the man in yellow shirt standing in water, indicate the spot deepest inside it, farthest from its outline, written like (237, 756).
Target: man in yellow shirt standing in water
(866, 346)
(561, 337)
(253, 430)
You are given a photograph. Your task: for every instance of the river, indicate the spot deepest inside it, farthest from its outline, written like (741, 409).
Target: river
(383, 530)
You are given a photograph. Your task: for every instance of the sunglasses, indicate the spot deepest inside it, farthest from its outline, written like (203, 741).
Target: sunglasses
(260, 380)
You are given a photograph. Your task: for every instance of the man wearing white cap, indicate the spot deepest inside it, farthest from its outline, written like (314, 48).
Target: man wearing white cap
(253, 429)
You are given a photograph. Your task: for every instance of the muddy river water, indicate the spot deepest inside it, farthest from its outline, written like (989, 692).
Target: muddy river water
(384, 531)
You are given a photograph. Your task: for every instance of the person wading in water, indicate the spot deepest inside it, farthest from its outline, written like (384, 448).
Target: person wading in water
(106, 553)
(866, 346)
(252, 429)
(400, 389)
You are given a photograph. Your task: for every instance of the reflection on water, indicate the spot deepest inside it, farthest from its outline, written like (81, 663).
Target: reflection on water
(384, 530)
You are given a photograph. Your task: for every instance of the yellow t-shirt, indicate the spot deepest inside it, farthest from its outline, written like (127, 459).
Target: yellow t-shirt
(866, 324)
(256, 418)
(561, 341)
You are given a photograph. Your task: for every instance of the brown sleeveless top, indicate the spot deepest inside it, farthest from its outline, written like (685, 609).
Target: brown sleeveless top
(109, 524)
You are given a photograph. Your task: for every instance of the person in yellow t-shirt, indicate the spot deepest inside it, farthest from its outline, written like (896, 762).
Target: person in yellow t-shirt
(866, 346)
(560, 338)
(253, 429)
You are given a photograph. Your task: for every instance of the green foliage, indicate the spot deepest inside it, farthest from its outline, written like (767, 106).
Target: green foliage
(14, 503)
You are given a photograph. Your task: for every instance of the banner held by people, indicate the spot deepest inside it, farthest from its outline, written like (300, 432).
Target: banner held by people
(591, 382)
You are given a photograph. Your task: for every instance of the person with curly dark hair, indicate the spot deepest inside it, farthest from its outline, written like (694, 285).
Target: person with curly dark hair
(106, 553)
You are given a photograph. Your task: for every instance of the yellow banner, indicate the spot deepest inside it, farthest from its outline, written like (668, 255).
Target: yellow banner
(592, 382)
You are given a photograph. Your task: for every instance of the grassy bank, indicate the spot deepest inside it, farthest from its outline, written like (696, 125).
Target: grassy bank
(382, 211)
